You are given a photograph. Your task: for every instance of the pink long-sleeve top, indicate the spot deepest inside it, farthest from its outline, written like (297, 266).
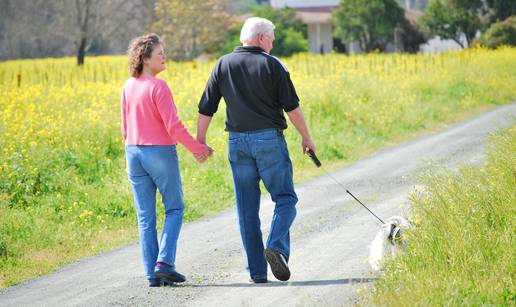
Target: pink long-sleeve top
(149, 115)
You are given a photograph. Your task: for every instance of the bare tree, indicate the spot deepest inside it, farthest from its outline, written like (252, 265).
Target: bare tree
(5, 10)
(25, 27)
(83, 11)
(94, 19)
(41, 28)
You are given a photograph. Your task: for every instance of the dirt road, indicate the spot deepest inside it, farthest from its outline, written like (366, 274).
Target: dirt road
(330, 238)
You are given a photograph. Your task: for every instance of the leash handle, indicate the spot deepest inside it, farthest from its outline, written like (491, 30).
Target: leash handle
(314, 158)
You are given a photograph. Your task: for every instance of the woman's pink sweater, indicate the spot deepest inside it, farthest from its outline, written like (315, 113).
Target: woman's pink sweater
(149, 115)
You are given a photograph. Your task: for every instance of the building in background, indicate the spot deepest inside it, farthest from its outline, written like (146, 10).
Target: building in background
(317, 15)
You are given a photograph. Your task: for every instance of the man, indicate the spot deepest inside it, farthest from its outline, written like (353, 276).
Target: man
(257, 89)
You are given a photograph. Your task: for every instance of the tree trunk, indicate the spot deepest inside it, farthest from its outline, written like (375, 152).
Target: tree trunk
(470, 39)
(81, 52)
(363, 43)
(458, 42)
(82, 20)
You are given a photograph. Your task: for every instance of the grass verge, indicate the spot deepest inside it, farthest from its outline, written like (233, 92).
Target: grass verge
(462, 250)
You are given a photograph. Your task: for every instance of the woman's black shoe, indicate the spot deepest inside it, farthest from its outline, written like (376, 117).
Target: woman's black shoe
(168, 274)
(154, 282)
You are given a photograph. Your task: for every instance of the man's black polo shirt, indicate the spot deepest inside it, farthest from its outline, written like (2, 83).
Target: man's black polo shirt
(256, 88)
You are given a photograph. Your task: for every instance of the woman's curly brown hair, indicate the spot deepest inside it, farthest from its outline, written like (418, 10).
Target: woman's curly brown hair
(141, 48)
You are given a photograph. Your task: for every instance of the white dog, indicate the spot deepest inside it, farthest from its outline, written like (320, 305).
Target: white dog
(387, 241)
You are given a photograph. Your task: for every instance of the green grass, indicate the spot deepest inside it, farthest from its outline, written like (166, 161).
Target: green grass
(462, 250)
(64, 193)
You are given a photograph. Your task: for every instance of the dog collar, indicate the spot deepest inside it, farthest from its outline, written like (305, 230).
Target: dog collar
(395, 233)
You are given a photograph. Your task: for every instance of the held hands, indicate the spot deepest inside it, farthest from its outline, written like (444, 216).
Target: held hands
(202, 157)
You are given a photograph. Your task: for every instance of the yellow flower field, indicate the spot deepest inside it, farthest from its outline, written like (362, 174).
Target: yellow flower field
(63, 188)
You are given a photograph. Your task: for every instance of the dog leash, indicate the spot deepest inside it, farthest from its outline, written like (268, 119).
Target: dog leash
(318, 163)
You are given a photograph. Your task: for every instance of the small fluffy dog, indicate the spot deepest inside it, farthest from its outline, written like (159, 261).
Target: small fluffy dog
(387, 241)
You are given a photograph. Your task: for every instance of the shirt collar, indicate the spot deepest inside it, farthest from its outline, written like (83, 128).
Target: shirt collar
(248, 49)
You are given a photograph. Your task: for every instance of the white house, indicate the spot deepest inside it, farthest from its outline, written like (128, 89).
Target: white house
(317, 15)
(437, 45)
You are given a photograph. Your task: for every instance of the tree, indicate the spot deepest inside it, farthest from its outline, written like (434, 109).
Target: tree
(452, 19)
(371, 23)
(42, 28)
(92, 21)
(500, 33)
(241, 6)
(499, 10)
(25, 27)
(410, 35)
(4, 13)
(192, 27)
(231, 40)
(290, 31)
(84, 15)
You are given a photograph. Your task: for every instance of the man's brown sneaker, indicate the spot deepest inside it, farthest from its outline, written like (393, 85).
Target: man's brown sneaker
(278, 264)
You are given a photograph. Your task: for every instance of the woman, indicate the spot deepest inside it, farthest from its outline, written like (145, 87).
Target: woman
(151, 130)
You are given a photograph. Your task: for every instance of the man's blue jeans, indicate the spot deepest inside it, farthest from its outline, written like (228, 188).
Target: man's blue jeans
(150, 168)
(262, 155)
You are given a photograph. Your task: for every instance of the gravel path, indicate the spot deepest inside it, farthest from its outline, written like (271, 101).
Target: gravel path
(330, 238)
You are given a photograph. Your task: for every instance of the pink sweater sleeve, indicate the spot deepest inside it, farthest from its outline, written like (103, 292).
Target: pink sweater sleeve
(164, 101)
(123, 105)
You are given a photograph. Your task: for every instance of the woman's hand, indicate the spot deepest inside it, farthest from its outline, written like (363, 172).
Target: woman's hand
(205, 155)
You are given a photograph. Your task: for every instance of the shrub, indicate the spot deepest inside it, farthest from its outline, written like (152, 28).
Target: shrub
(500, 33)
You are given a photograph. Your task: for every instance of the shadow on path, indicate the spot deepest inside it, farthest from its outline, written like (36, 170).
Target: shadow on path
(324, 282)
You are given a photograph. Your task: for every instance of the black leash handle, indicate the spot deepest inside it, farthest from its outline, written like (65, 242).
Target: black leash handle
(314, 158)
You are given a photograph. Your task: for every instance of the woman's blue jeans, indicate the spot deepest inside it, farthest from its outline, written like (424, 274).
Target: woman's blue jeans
(150, 168)
(254, 156)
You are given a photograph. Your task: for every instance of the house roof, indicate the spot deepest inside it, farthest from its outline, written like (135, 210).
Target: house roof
(314, 17)
(310, 11)
(304, 3)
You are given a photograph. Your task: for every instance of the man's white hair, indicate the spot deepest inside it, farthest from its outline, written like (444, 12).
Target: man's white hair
(255, 26)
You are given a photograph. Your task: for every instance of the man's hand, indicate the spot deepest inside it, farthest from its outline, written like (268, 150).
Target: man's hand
(307, 144)
(297, 118)
(202, 157)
